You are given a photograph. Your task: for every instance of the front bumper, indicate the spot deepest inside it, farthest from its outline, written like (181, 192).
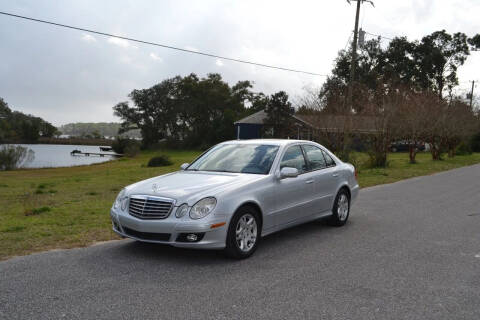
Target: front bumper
(172, 230)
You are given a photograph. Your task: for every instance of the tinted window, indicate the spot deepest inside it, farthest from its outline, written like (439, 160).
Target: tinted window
(314, 157)
(293, 158)
(328, 159)
(245, 158)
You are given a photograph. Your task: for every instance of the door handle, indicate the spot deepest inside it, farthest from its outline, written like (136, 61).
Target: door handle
(309, 181)
(335, 174)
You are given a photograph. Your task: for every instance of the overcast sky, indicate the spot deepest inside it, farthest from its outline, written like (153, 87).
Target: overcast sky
(66, 76)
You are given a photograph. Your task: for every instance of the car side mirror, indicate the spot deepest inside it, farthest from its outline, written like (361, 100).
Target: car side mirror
(184, 166)
(288, 172)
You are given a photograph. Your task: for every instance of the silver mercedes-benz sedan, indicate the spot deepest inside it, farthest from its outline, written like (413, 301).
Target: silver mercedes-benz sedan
(235, 193)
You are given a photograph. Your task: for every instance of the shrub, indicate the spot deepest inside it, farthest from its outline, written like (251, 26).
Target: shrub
(13, 157)
(475, 142)
(159, 161)
(126, 146)
(463, 149)
(132, 150)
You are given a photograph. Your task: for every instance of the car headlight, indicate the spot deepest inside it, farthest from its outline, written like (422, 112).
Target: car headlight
(118, 201)
(182, 210)
(202, 208)
(124, 203)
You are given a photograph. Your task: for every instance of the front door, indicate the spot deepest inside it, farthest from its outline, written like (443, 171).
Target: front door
(293, 195)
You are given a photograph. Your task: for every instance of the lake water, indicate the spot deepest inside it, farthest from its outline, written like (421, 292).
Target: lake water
(56, 155)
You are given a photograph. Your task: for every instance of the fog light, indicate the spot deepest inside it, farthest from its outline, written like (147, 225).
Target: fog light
(192, 237)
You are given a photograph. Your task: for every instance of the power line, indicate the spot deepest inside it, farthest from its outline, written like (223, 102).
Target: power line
(378, 35)
(163, 45)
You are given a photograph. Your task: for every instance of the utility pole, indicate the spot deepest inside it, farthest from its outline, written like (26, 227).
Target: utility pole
(349, 104)
(471, 94)
(354, 58)
(354, 54)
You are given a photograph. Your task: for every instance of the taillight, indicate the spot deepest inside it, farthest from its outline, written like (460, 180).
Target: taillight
(356, 173)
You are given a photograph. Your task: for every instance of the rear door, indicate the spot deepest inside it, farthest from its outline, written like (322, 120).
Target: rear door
(324, 175)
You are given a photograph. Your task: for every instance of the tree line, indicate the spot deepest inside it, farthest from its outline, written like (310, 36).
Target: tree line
(95, 130)
(405, 91)
(17, 127)
(191, 111)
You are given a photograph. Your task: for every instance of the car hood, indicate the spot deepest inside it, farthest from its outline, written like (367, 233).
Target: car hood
(191, 186)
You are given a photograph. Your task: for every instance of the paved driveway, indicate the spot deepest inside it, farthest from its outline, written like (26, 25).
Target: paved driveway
(411, 250)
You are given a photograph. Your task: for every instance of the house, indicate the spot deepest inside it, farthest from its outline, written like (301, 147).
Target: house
(254, 127)
(308, 127)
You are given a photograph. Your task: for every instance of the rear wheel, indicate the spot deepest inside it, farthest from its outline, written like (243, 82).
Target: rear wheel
(341, 208)
(243, 233)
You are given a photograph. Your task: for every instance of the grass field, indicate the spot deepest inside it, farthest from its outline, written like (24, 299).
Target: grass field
(43, 209)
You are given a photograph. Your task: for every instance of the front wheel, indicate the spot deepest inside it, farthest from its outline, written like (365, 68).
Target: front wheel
(243, 233)
(341, 209)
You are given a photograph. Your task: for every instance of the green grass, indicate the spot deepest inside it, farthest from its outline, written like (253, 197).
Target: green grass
(399, 167)
(76, 212)
(36, 217)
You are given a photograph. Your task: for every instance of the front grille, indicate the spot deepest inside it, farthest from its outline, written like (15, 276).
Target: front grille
(147, 235)
(148, 207)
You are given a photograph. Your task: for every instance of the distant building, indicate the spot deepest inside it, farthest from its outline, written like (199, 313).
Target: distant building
(254, 127)
(307, 127)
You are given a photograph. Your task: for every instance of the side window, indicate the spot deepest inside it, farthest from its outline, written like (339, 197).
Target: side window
(329, 160)
(294, 158)
(315, 157)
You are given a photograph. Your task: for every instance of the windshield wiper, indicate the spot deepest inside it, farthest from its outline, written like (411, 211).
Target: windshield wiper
(221, 171)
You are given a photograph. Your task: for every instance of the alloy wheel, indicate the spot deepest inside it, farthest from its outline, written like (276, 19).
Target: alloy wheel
(342, 207)
(246, 232)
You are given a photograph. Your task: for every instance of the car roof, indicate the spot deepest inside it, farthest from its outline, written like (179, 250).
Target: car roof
(277, 142)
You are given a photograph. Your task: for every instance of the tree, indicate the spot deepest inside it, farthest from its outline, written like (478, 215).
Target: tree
(152, 111)
(279, 114)
(475, 42)
(437, 58)
(18, 127)
(429, 64)
(460, 126)
(189, 110)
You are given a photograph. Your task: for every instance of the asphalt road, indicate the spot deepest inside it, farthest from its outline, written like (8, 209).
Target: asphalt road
(411, 250)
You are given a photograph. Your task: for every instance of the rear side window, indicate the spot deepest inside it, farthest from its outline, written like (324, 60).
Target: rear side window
(329, 160)
(315, 157)
(294, 158)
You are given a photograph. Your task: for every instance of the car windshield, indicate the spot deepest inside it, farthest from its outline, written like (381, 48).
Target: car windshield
(237, 158)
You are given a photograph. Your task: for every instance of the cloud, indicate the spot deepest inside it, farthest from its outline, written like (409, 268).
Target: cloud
(88, 38)
(42, 65)
(155, 57)
(119, 42)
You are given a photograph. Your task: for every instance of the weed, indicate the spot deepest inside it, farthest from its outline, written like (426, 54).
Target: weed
(36, 211)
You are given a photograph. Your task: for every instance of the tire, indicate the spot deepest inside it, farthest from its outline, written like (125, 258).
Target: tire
(244, 216)
(341, 209)
(394, 149)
